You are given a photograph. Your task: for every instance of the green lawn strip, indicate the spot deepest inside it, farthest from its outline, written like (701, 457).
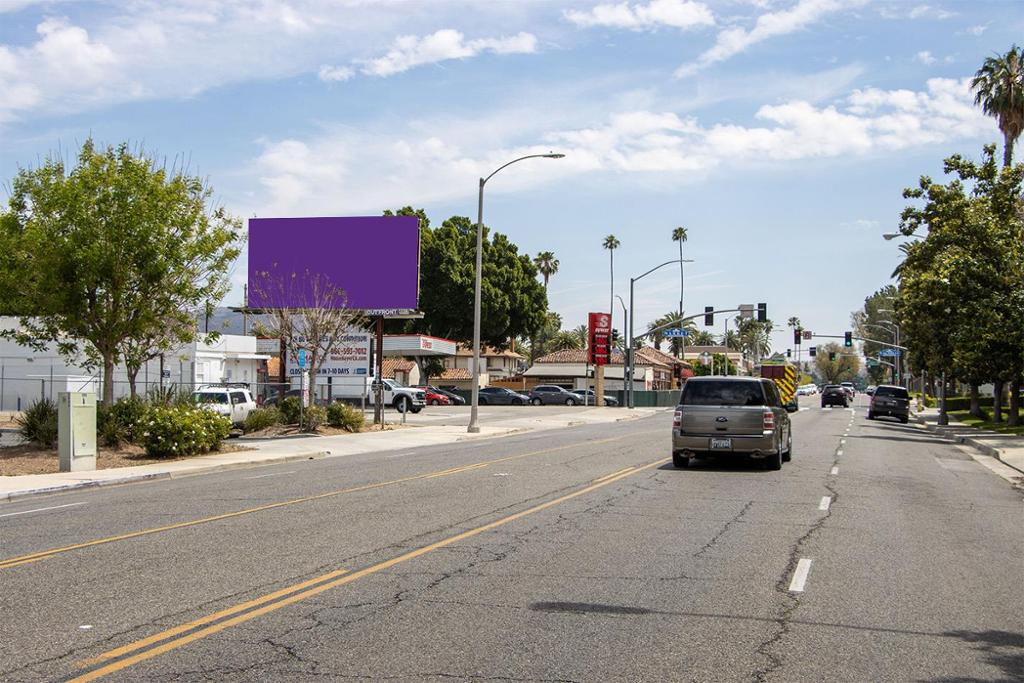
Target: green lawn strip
(1001, 427)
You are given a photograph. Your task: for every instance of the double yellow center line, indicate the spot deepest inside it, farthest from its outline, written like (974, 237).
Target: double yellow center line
(43, 554)
(179, 636)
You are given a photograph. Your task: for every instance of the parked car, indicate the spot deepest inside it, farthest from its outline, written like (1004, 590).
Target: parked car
(834, 395)
(455, 399)
(549, 394)
(274, 399)
(730, 416)
(235, 403)
(588, 397)
(870, 391)
(434, 398)
(500, 396)
(890, 401)
(807, 390)
(399, 396)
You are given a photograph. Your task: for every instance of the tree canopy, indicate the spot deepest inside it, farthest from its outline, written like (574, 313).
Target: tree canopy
(115, 249)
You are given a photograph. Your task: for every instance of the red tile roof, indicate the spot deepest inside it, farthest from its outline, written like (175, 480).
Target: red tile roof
(455, 373)
(580, 356)
(391, 365)
(659, 357)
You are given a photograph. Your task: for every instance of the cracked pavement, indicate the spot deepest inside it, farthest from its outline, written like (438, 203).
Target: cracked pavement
(664, 575)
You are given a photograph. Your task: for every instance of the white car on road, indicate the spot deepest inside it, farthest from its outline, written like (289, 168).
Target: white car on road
(234, 403)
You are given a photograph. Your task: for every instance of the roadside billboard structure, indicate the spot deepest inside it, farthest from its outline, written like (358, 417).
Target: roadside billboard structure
(365, 264)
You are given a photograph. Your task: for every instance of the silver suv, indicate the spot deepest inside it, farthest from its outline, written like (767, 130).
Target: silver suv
(728, 416)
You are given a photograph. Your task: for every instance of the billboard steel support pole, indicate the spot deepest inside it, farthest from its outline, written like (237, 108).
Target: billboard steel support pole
(378, 399)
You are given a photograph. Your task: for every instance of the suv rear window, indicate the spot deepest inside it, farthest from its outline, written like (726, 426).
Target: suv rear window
(211, 397)
(722, 394)
(892, 392)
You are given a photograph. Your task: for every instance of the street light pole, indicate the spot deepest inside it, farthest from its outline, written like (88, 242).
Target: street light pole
(474, 426)
(625, 336)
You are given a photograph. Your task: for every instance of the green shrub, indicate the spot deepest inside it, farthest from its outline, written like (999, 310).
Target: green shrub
(312, 418)
(964, 402)
(167, 395)
(290, 406)
(38, 424)
(928, 401)
(109, 432)
(261, 418)
(127, 415)
(173, 431)
(344, 416)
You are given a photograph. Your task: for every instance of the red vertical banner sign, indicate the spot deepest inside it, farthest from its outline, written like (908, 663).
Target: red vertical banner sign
(599, 348)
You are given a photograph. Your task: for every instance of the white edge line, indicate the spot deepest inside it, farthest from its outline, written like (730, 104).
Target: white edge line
(54, 507)
(803, 568)
(834, 470)
(272, 474)
(839, 452)
(825, 502)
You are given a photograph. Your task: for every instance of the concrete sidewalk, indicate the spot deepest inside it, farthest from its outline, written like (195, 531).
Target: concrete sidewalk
(1007, 448)
(273, 451)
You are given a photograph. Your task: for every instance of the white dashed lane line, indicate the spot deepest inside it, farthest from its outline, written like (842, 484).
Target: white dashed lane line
(53, 507)
(826, 501)
(834, 471)
(803, 568)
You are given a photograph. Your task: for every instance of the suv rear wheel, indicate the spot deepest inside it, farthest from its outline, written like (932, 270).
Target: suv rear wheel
(774, 461)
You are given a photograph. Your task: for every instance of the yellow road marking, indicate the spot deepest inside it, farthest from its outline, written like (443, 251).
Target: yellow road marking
(609, 476)
(293, 596)
(43, 554)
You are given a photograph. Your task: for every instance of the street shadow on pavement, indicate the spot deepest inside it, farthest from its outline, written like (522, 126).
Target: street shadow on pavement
(738, 464)
(881, 437)
(1002, 649)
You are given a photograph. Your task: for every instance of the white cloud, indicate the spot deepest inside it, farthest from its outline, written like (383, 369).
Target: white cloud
(977, 30)
(735, 40)
(860, 224)
(928, 12)
(410, 51)
(335, 73)
(683, 14)
(925, 57)
(365, 170)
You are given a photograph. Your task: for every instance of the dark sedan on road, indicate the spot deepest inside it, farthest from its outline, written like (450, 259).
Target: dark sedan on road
(834, 395)
(550, 394)
(450, 393)
(890, 401)
(500, 396)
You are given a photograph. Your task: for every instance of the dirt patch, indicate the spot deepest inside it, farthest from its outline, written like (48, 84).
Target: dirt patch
(29, 459)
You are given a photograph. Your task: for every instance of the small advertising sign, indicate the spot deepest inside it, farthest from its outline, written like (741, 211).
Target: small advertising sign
(350, 357)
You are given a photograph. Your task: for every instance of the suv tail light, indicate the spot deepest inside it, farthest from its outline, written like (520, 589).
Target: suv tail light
(768, 420)
(677, 419)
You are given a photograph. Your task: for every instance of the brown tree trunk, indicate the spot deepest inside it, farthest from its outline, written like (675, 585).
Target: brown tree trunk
(1014, 417)
(132, 375)
(997, 401)
(108, 379)
(1007, 150)
(975, 402)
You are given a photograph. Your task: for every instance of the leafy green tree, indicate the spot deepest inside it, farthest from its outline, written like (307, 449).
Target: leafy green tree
(513, 303)
(962, 288)
(843, 369)
(999, 89)
(719, 360)
(115, 247)
(868, 323)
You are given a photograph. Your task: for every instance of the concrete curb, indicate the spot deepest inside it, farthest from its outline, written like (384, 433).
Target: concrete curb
(956, 435)
(152, 476)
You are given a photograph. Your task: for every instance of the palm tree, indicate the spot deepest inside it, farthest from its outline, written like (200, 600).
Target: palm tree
(731, 339)
(565, 339)
(999, 88)
(679, 235)
(793, 322)
(702, 338)
(582, 333)
(547, 265)
(611, 243)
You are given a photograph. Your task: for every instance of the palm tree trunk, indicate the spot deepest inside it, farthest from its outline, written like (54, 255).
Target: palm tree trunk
(611, 280)
(1007, 150)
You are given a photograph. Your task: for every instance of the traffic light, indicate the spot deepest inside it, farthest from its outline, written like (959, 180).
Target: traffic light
(762, 313)
(814, 351)
(848, 341)
(831, 355)
(789, 353)
(709, 317)
(797, 332)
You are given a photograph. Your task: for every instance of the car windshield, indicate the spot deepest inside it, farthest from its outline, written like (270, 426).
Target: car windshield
(722, 393)
(210, 397)
(894, 392)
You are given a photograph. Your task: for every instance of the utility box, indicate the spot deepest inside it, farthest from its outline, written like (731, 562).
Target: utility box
(76, 431)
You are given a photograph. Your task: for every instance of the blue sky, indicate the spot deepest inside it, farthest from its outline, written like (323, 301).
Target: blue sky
(779, 132)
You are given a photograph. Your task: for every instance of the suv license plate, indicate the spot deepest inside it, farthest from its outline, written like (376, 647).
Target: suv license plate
(721, 444)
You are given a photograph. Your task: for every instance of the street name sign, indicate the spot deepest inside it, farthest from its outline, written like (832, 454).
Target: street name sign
(676, 332)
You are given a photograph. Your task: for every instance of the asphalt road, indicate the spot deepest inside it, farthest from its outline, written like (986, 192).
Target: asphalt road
(878, 553)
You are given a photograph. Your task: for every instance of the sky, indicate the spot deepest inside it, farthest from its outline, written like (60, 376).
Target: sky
(780, 133)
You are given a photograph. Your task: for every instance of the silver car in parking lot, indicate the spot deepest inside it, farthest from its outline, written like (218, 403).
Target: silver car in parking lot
(730, 416)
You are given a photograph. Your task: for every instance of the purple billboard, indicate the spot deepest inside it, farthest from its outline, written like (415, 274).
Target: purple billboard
(373, 259)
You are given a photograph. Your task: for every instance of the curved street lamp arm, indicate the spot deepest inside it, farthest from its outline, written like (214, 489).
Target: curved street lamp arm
(483, 181)
(638, 277)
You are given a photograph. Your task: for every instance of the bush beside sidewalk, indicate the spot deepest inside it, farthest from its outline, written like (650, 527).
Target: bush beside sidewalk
(1007, 448)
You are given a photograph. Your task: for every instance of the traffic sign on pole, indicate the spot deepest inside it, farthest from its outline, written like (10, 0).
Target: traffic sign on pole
(676, 332)
(889, 352)
(302, 358)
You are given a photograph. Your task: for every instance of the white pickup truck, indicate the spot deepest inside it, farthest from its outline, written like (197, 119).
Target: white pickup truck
(234, 403)
(395, 394)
